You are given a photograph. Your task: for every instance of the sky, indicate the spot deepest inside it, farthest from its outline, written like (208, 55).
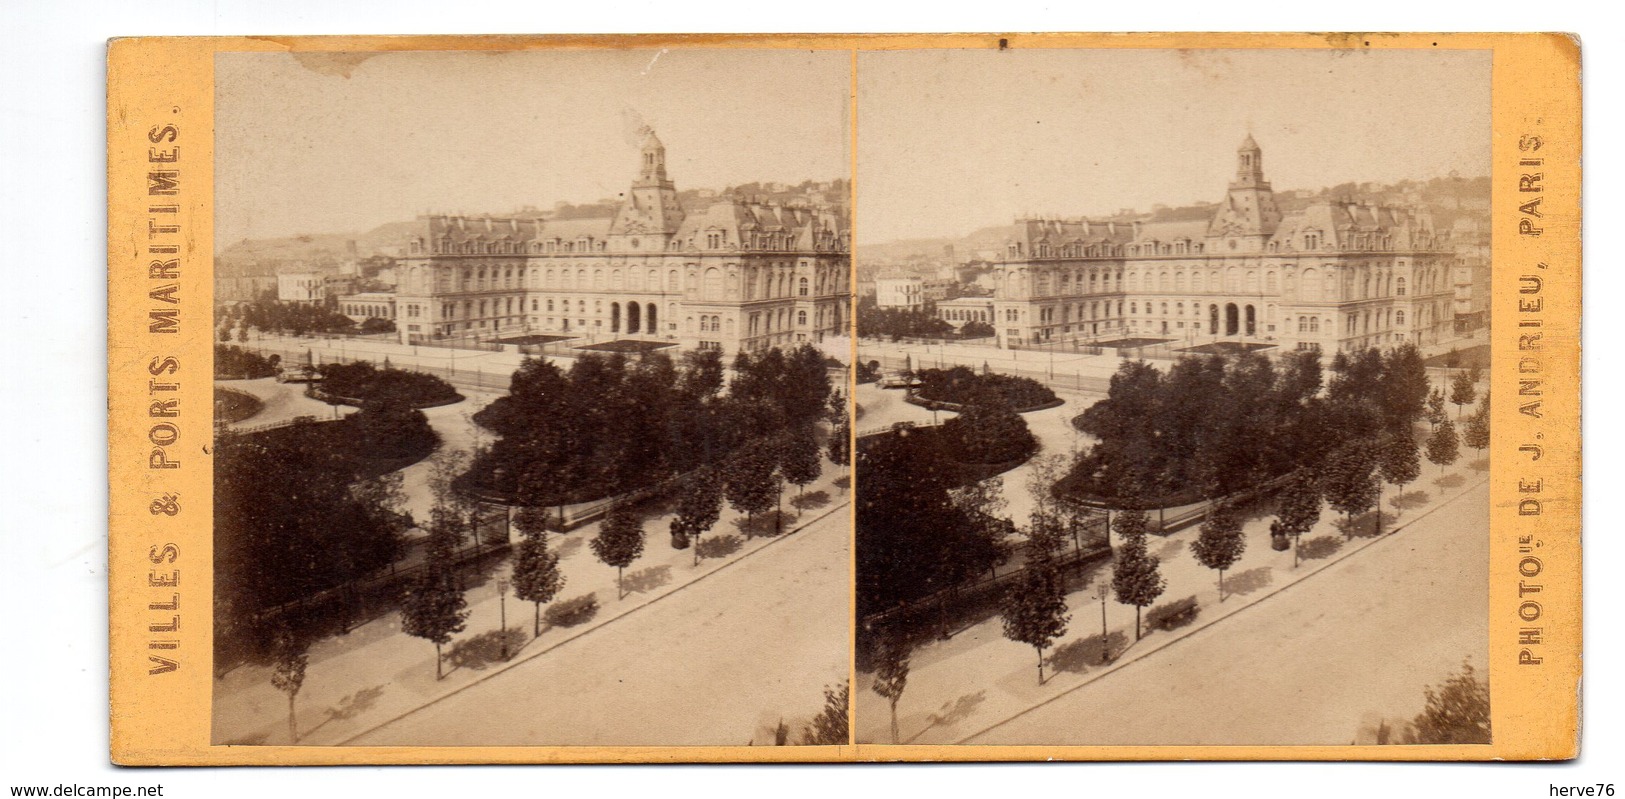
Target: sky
(331, 143)
(952, 140)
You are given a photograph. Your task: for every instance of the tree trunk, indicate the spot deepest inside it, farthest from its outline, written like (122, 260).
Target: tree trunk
(293, 724)
(537, 633)
(1040, 664)
(437, 674)
(620, 589)
(894, 720)
(1136, 628)
(1221, 585)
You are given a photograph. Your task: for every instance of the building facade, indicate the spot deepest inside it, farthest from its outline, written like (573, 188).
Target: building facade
(1471, 238)
(731, 274)
(368, 305)
(1335, 275)
(964, 310)
(900, 291)
(306, 287)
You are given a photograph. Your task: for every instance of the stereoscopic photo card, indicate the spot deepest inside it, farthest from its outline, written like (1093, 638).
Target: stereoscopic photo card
(844, 398)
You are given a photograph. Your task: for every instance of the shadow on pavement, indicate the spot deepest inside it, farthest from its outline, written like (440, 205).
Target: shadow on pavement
(1246, 582)
(645, 580)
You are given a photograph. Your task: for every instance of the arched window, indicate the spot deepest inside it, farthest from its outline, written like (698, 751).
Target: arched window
(1399, 318)
(1311, 285)
(801, 316)
(1399, 287)
(802, 287)
(712, 287)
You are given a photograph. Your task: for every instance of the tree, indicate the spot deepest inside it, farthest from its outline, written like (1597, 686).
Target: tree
(1348, 480)
(988, 430)
(1476, 433)
(456, 510)
(975, 329)
(982, 503)
(1299, 509)
(1136, 579)
(840, 445)
(800, 462)
(832, 725)
(1435, 408)
(383, 500)
(751, 485)
(619, 542)
(1405, 386)
(1035, 611)
(1443, 446)
(288, 658)
(434, 608)
(912, 540)
(698, 508)
(1220, 543)
(891, 676)
(1457, 712)
(536, 575)
(1462, 391)
(1398, 464)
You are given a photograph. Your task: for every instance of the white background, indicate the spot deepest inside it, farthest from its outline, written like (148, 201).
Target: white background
(53, 714)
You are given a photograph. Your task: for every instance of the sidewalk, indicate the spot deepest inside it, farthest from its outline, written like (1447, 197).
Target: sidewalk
(978, 679)
(377, 673)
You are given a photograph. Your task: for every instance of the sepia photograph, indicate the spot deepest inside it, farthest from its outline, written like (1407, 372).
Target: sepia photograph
(1172, 410)
(530, 380)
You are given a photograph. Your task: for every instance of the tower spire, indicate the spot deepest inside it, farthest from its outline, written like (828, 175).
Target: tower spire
(1249, 165)
(652, 170)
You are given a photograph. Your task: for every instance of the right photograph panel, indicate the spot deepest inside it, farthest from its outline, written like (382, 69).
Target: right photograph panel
(1172, 404)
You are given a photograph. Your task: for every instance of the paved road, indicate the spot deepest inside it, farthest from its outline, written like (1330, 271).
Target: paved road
(1307, 665)
(720, 662)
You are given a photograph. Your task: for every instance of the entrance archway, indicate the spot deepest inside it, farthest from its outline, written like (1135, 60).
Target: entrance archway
(1213, 320)
(614, 317)
(1252, 321)
(652, 327)
(1232, 319)
(634, 315)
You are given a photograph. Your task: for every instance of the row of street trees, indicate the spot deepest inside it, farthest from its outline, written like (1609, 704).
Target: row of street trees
(613, 424)
(1215, 426)
(297, 318)
(751, 480)
(611, 395)
(898, 323)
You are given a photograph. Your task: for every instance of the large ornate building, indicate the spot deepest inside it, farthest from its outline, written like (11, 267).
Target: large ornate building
(1333, 275)
(733, 275)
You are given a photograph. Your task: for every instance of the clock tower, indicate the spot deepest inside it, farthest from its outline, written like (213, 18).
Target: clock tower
(1248, 216)
(650, 215)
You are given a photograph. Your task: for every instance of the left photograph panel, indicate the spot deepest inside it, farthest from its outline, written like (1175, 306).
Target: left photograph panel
(531, 394)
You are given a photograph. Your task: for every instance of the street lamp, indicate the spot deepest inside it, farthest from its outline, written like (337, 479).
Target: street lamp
(1105, 643)
(502, 604)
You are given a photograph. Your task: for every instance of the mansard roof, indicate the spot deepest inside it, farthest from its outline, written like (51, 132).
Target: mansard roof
(1187, 229)
(1063, 232)
(1345, 224)
(738, 219)
(458, 229)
